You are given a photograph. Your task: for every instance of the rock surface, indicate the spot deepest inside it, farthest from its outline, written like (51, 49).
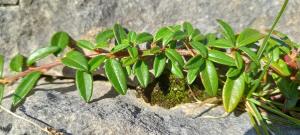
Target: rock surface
(59, 106)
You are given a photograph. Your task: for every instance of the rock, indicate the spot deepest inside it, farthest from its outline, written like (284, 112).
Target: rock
(26, 25)
(58, 106)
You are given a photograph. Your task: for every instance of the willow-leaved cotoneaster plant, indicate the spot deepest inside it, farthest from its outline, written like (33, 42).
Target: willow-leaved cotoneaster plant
(250, 68)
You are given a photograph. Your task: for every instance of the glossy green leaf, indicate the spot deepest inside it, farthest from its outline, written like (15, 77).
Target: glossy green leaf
(221, 58)
(162, 32)
(41, 53)
(221, 43)
(289, 89)
(194, 62)
(142, 74)
(127, 61)
(192, 74)
(188, 28)
(119, 33)
(252, 55)
(248, 36)
(179, 35)
(144, 37)
(75, 60)
(174, 56)
(197, 36)
(227, 31)
(1, 65)
(167, 39)
(133, 52)
(17, 63)
(116, 75)
(281, 68)
(233, 91)
(119, 47)
(159, 65)
(84, 84)
(239, 62)
(132, 37)
(104, 36)
(25, 86)
(233, 72)
(276, 54)
(209, 78)
(200, 48)
(176, 70)
(210, 37)
(95, 62)
(61, 40)
(84, 44)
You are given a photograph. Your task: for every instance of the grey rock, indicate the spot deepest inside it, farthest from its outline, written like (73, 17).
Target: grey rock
(59, 106)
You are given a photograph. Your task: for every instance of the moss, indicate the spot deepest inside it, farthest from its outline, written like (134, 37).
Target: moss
(168, 91)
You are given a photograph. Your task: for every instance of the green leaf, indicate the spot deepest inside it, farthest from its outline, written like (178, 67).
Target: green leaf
(221, 43)
(281, 68)
(289, 89)
(1, 65)
(84, 84)
(141, 72)
(119, 33)
(194, 62)
(159, 65)
(24, 87)
(227, 31)
(61, 40)
(41, 53)
(161, 33)
(192, 74)
(17, 63)
(197, 36)
(75, 60)
(95, 62)
(127, 61)
(233, 72)
(84, 44)
(248, 36)
(233, 91)
(1, 92)
(209, 78)
(176, 70)
(188, 28)
(179, 35)
(239, 62)
(116, 75)
(103, 37)
(200, 48)
(119, 47)
(144, 37)
(250, 54)
(174, 56)
(132, 37)
(133, 52)
(221, 58)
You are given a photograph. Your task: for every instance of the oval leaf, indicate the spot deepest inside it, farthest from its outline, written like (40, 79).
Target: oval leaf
(75, 60)
(41, 53)
(248, 36)
(84, 44)
(144, 37)
(233, 91)
(142, 73)
(188, 28)
(174, 56)
(159, 65)
(26, 84)
(281, 68)
(201, 49)
(95, 62)
(221, 43)
(176, 70)
(227, 31)
(84, 84)
(221, 58)
(61, 40)
(194, 62)
(119, 33)
(192, 75)
(132, 37)
(17, 63)
(162, 32)
(209, 78)
(116, 75)
(104, 36)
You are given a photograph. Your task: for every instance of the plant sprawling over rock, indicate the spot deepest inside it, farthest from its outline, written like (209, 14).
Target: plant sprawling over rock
(250, 68)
